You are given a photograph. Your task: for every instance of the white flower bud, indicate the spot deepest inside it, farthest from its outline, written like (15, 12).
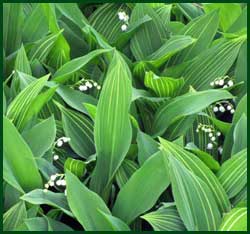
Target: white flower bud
(232, 111)
(210, 134)
(51, 183)
(83, 88)
(229, 107)
(230, 83)
(209, 146)
(95, 84)
(63, 182)
(220, 149)
(209, 130)
(58, 182)
(124, 27)
(197, 130)
(126, 18)
(65, 192)
(53, 177)
(55, 157)
(222, 109)
(121, 15)
(221, 82)
(212, 84)
(59, 143)
(213, 138)
(225, 86)
(46, 186)
(216, 82)
(218, 133)
(215, 109)
(98, 87)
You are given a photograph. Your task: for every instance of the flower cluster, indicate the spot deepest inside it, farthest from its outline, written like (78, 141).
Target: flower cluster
(222, 82)
(124, 18)
(59, 143)
(86, 84)
(55, 180)
(223, 106)
(212, 134)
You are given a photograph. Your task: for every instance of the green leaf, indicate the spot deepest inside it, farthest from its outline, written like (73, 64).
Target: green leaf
(80, 131)
(235, 220)
(240, 23)
(146, 146)
(41, 48)
(125, 171)
(22, 63)
(77, 167)
(194, 200)
(35, 26)
(190, 10)
(17, 155)
(233, 173)
(60, 53)
(166, 218)
(168, 49)
(44, 132)
(163, 86)
(39, 197)
(67, 70)
(72, 12)
(229, 140)
(4, 103)
(240, 135)
(12, 26)
(112, 130)
(45, 224)
(228, 13)
(75, 98)
(241, 68)
(139, 193)
(19, 107)
(105, 20)
(133, 27)
(14, 216)
(204, 157)
(185, 105)
(212, 63)
(196, 166)
(90, 213)
(203, 29)
(150, 36)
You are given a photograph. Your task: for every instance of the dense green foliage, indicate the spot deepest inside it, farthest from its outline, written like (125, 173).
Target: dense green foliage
(121, 117)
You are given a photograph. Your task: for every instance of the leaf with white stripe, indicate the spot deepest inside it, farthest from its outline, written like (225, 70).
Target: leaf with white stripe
(169, 48)
(112, 130)
(125, 171)
(212, 63)
(203, 29)
(150, 36)
(79, 129)
(42, 47)
(235, 220)
(233, 173)
(20, 106)
(163, 86)
(142, 194)
(194, 164)
(166, 218)
(68, 69)
(193, 198)
(185, 105)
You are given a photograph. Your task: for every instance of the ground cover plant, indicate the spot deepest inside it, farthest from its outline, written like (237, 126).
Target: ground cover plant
(124, 117)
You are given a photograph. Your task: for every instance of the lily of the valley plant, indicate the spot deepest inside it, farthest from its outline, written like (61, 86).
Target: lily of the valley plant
(121, 117)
